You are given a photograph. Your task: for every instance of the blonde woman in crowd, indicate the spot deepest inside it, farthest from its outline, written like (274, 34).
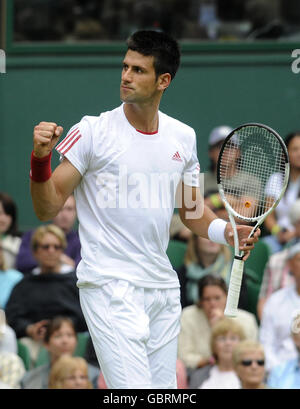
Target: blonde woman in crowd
(197, 321)
(249, 364)
(52, 292)
(220, 374)
(69, 372)
(202, 257)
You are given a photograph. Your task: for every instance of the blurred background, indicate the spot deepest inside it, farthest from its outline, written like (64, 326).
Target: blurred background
(63, 61)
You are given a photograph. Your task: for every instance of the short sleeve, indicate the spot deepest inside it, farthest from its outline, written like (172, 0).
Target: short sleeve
(191, 172)
(274, 185)
(77, 145)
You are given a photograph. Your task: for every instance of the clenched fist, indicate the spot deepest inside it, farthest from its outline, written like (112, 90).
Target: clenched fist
(45, 137)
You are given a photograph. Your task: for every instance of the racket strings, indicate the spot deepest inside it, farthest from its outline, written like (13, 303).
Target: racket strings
(251, 168)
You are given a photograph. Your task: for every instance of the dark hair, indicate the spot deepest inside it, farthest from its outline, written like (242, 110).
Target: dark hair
(161, 46)
(291, 136)
(210, 279)
(10, 209)
(55, 324)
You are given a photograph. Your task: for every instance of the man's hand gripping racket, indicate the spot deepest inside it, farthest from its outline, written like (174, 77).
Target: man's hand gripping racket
(250, 155)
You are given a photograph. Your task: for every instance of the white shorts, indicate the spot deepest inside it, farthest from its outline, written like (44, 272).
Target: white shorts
(134, 331)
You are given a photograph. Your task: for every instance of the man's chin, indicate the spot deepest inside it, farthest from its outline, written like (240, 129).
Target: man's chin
(125, 99)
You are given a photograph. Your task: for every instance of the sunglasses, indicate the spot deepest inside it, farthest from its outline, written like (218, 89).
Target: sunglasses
(248, 362)
(47, 246)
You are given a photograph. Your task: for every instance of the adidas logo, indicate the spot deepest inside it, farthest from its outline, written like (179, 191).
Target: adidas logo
(177, 157)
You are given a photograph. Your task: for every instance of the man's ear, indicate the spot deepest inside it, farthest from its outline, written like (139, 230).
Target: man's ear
(164, 81)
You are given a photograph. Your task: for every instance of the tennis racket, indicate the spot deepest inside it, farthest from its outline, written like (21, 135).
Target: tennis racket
(252, 160)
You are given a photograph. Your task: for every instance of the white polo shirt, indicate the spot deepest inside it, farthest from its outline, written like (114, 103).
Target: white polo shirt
(275, 328)
(126, 197)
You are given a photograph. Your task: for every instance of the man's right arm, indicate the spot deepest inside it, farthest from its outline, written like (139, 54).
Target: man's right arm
(49, 196)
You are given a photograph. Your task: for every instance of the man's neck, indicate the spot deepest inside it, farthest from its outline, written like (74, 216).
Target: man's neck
(144, 118)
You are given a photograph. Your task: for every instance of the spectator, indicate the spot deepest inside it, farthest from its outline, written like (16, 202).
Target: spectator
(287, 374)
(70, 257)
(8, 339)
(178, 231)
(9, 234)
(202, 257)
(220, 374)
(264, 18)
(60, 339)
(8, 279)
(278, 222)
(197, 321)
(235, 177)
(215, 142)
(69, 372)
(249, 364)
(277, 273)
(51, 292)
(11, 370)
(277, 315)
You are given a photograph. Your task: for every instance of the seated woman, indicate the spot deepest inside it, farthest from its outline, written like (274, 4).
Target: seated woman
(8, 339)
(60, 339)
(70, 257)
(9, 277)
(69, 372)
(197, 321)
(9, 235)
(11, 370)
(51, 292)
(204, 257)
(249, 364)
(220, 374)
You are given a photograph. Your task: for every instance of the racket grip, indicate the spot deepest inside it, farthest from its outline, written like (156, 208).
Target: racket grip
(234, 288)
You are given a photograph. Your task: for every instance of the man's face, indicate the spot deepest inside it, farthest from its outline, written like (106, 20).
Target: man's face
(294, 265)
(138, 82)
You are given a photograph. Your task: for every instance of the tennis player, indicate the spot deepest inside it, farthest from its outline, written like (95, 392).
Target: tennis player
(117, 165)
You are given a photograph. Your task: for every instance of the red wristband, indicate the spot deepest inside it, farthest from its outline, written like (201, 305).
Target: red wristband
(40, 168)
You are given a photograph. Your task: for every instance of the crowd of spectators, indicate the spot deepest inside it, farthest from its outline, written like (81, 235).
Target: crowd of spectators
(44, 341)
(108, 20)
(273, 358)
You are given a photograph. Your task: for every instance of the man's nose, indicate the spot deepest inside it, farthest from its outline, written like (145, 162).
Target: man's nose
(127, 75)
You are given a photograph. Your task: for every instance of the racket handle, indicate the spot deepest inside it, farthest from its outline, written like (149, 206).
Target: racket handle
(234, 288)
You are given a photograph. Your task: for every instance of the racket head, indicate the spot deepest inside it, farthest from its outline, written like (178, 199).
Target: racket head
(251, 162)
